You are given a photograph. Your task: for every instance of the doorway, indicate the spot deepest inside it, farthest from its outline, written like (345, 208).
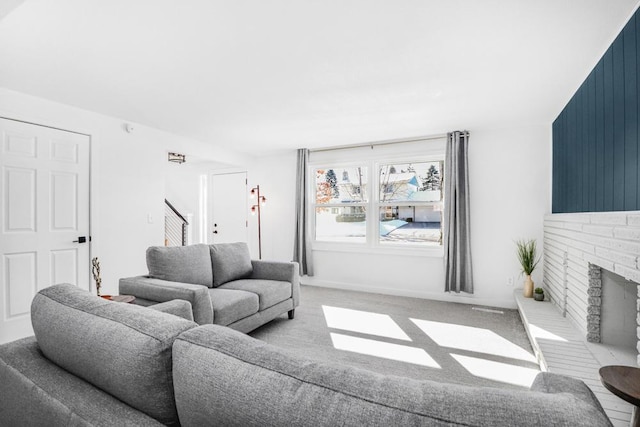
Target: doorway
(228, 221)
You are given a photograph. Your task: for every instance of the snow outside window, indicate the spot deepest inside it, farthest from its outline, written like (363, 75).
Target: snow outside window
(341, 204)
(401, 205)
(410, 203)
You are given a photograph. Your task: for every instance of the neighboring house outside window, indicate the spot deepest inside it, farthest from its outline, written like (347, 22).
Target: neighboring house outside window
(340, 206)
(401, 207)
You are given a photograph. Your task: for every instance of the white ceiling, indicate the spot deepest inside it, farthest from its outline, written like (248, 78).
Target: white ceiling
(266, 75)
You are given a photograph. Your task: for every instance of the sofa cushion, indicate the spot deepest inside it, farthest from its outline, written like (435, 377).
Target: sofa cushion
(270, 292)
(186, 264)
(230, 261)
(120, 348)
(229, 377)
(230, 305)
(37, 392)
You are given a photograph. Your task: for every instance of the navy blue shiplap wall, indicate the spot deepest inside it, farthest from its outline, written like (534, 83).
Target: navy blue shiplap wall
(595, 138)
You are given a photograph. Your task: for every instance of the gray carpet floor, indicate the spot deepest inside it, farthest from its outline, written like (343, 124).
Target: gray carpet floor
(445, 342)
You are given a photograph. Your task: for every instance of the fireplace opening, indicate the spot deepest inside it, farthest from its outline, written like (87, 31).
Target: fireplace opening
(619, 311)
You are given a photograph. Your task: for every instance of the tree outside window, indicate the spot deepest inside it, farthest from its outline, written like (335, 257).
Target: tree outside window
(407, 200)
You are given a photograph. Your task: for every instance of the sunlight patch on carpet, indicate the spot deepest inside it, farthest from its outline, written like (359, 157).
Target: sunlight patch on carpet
(468, 338)
(496, 371)
(364, 322)
(401, 353)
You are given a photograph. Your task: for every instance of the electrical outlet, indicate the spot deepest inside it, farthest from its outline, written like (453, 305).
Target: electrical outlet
(510, 281)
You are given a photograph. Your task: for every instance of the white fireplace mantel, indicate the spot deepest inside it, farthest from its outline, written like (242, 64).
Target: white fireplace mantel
(576, 243)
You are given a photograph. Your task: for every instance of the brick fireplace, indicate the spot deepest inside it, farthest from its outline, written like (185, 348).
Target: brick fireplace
(578, 247)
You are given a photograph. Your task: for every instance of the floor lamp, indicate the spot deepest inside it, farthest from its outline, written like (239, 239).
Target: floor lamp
(261, 201)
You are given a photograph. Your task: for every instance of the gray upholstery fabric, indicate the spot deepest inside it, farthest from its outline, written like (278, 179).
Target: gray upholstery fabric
(36, 392)
(237, 310)
(177, 307)
(223, 377)
(123, 349)
(276, 270)
(270, 292)
(230, 261)
(147, 289)
(186, 264)
(230, 305)
(551, 383)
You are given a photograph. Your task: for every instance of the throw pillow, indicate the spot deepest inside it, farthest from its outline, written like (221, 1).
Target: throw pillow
(230, 261)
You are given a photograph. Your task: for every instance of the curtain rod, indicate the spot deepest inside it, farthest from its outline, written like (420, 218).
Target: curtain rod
(377, 144)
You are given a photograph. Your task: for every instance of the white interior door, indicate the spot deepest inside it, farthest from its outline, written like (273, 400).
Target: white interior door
(228, 221)
(44, 189)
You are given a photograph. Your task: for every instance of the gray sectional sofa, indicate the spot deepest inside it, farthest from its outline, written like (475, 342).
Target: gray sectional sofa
(95, 362)
(224, 286)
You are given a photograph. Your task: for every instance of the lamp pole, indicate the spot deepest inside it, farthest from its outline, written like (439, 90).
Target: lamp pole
(255, 192)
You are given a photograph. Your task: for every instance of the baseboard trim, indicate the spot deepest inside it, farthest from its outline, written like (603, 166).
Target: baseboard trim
(437, 296)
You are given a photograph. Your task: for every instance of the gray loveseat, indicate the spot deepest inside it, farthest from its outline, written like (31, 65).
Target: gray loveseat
(94, 362)
(222, 283)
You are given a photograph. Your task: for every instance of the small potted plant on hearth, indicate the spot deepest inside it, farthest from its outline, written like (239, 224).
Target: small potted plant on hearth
(528, 262)
(538, 294)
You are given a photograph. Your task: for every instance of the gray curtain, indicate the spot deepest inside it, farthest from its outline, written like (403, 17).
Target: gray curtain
(302, 244)
(457, 245)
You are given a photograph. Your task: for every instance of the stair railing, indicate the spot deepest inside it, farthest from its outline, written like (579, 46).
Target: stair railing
(175, 226)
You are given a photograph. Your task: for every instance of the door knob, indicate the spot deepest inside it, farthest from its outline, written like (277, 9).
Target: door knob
(81, 239)
(215, 231)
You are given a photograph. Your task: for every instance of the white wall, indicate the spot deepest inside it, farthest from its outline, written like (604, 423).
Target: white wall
(276, 176)
(128, 179)
(510, 175)
(510, 179)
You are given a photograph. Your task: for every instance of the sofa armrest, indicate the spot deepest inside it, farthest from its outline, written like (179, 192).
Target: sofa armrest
(278, 270)
(163, 290)
(547, 382)
(177, 307)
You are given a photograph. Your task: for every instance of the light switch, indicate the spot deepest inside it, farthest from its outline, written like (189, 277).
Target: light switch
(150, 218)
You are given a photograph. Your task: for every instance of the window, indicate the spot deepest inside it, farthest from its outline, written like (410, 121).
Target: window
(410, 203)
(403, 206)
(341, 204)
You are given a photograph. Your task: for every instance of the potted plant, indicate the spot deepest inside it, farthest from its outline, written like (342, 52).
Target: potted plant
(538, 294)
(528, 262)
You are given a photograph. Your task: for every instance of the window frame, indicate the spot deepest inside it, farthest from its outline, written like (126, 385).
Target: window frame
(373, 205)
(313, 205)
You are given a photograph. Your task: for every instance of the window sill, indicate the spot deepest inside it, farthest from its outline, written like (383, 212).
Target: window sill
(430, 252)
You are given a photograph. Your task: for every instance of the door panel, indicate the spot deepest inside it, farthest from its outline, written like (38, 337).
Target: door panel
(20, 200)
(228, 208)
(64, 201)
(64, 266)
(21, 145)
(44, 190)
(20, 271)
(64, 151)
